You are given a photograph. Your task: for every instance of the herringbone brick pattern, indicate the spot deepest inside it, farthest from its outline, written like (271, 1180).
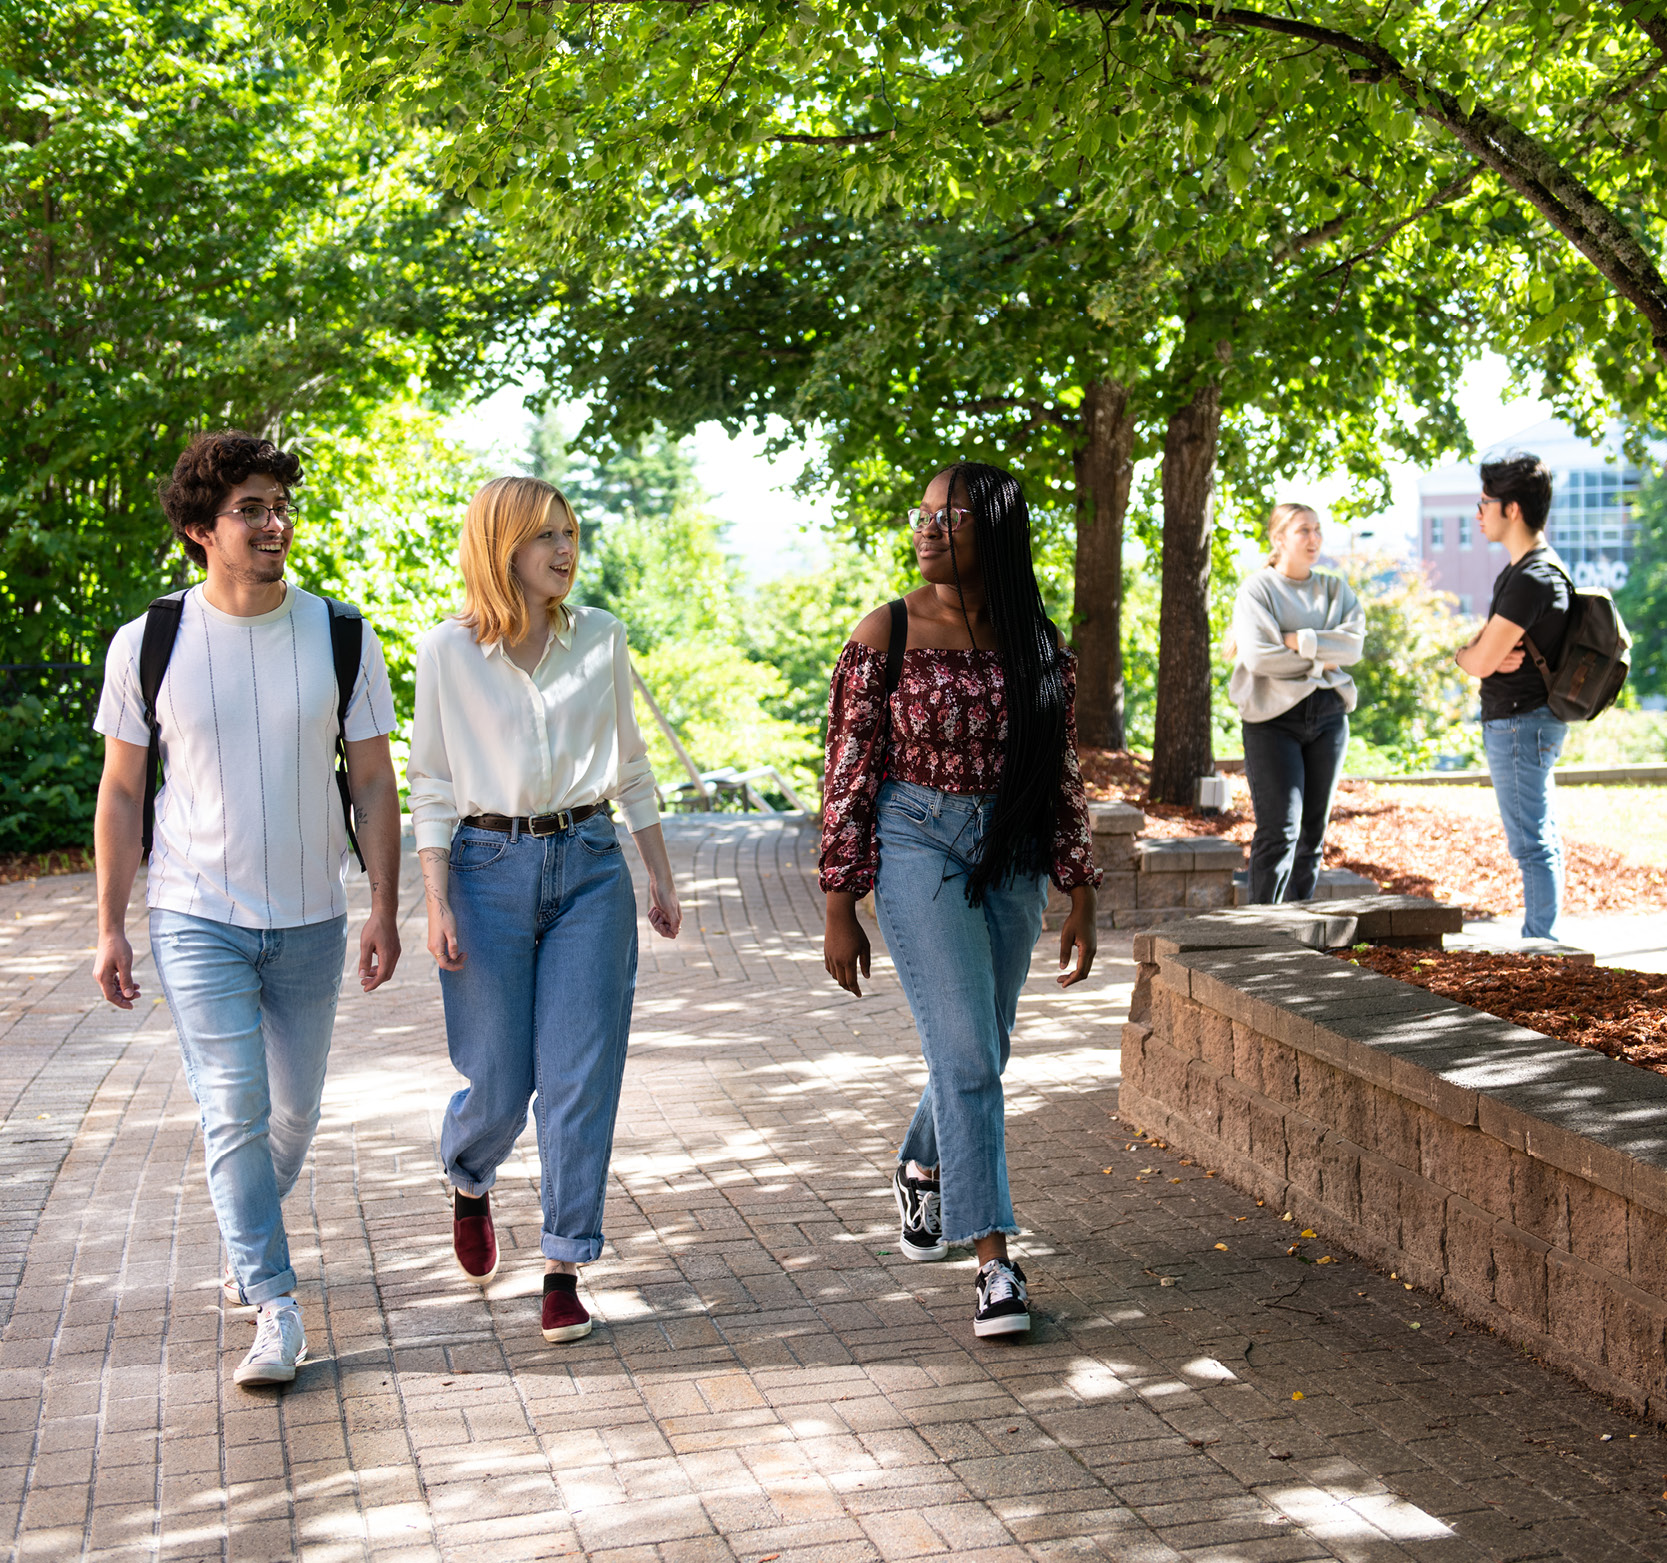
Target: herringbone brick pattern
(769, 1379)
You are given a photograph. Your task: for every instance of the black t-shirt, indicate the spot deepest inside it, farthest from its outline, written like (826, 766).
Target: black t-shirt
(1533, 592)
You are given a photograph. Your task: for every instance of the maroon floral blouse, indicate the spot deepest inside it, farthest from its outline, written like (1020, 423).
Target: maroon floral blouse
(948, 731)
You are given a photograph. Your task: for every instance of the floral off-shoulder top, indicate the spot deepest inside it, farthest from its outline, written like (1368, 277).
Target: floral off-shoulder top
(948, 731)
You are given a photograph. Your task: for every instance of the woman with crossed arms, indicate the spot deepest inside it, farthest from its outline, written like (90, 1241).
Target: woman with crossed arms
(524, 728)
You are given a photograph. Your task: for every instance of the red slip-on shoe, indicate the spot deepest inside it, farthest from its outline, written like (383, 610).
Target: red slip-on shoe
(564, 1316)
(472, 1238)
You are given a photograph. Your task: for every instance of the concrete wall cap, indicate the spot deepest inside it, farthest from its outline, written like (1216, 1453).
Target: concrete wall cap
(1116, 819)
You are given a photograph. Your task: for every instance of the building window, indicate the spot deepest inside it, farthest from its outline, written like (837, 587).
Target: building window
(1438, 532)
(1464, 533)
(1465, 601)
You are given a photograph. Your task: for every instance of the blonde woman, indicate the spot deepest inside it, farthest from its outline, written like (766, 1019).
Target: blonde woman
(1294, 631)
(524, 729)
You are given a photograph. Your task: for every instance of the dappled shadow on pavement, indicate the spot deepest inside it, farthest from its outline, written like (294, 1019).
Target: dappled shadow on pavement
(768, 1375)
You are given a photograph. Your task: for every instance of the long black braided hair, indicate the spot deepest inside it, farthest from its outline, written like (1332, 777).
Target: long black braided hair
(1019, 837)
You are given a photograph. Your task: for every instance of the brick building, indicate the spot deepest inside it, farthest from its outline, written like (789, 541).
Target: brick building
(1591, 515)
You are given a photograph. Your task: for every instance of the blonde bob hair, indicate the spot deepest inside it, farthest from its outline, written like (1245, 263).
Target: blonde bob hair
(501, 517)
(1280, 522)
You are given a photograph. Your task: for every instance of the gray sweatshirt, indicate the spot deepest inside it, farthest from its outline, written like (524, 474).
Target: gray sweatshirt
(1329, 623)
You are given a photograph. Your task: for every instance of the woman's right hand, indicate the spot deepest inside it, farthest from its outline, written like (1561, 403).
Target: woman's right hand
(442, 938)
(845, 950)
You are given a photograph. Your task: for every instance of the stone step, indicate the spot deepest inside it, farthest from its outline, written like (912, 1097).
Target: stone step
(1334, 885)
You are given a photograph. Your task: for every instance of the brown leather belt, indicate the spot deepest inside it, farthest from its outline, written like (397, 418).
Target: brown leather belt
(536, 824)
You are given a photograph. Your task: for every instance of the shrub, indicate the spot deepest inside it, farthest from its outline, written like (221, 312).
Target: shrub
(49, 770)
(1415, 705)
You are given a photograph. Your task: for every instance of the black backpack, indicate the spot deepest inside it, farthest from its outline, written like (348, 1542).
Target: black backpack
(162, 629)
(1594, 662)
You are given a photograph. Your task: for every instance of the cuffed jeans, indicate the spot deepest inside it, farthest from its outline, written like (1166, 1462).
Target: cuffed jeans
(542, 1006)
(1292, 764)
(254, 1009)
(961, 967)
(1521, 751)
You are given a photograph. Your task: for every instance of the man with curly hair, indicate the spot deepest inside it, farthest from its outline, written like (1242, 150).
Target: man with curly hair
(248, 913)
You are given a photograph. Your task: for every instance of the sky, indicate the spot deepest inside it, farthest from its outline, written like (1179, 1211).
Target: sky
(771, 530)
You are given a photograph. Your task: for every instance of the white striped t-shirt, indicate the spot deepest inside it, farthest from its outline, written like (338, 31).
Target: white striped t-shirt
(249, 824)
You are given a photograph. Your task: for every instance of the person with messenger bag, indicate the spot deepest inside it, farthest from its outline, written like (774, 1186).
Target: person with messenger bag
(245, 724)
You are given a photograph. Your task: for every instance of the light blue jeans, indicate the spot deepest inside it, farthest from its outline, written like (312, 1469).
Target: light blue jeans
(548, 928)
(1521, 752)
(254, 1010)
(961, 967)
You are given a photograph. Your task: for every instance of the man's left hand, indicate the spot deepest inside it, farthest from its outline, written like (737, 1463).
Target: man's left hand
(378, 950)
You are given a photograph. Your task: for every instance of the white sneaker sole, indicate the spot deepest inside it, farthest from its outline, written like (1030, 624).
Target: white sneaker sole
(1003, 1324)
(567, 1332)
(268, 1372)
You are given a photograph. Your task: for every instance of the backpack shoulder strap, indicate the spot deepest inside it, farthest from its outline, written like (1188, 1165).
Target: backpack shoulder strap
(1534, 654)
(155, 649)
(347, 643)
(897, 645)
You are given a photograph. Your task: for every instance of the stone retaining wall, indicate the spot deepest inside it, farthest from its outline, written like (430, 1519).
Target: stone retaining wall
(1521, 1179)
(1148, 882)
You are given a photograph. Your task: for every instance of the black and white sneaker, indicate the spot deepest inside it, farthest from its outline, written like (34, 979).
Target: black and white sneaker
(921, 1215)
(1003, 1307)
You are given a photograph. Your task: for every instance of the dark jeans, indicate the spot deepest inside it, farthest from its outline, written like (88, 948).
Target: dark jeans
(1292, 764)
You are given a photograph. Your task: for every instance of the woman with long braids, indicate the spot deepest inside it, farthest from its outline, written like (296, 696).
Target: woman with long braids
(952, 791)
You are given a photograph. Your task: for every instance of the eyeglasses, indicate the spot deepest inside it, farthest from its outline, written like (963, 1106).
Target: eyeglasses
(1485, 501)
(945, 521)
(253, 513)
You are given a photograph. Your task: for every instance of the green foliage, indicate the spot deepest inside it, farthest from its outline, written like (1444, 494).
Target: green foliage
(1619, 737)
(654, 558)
(798, 623)
(49, 771)
(1462, 135)
(721, 704)
(384, 509)
(1414, 704)
(665, 576)
(1643, 600)
(191, 235)
(1142, 599)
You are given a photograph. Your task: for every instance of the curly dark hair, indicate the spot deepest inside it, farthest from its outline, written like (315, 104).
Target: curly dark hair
(1522, 477)
(208, 469)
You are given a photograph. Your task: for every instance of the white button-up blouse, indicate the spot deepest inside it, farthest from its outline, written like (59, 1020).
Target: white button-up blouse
(489, 738)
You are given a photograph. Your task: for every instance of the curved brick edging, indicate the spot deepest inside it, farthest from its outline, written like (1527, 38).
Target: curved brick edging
(1522, 1179)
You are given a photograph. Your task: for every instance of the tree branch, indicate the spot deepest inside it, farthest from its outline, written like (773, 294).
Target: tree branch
(861, 138)
(1449, 192)
(1524, 164)
(1654, 27)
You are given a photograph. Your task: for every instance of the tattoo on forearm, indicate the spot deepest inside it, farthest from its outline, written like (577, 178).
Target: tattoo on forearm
(435, 862)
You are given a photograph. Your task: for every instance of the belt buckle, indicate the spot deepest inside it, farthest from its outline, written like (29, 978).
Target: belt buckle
(562, 819)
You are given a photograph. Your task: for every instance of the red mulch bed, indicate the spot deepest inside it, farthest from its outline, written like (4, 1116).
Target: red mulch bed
(1406, 848)
(18, 866)
(1617, 1012)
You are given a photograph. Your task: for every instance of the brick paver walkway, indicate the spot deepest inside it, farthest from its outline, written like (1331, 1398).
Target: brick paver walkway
(769, 1379)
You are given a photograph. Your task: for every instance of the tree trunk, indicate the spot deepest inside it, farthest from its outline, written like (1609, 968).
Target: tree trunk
(1181, 750)
(1104, 461)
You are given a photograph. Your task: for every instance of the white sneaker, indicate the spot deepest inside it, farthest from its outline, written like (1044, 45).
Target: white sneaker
(280, 1344)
